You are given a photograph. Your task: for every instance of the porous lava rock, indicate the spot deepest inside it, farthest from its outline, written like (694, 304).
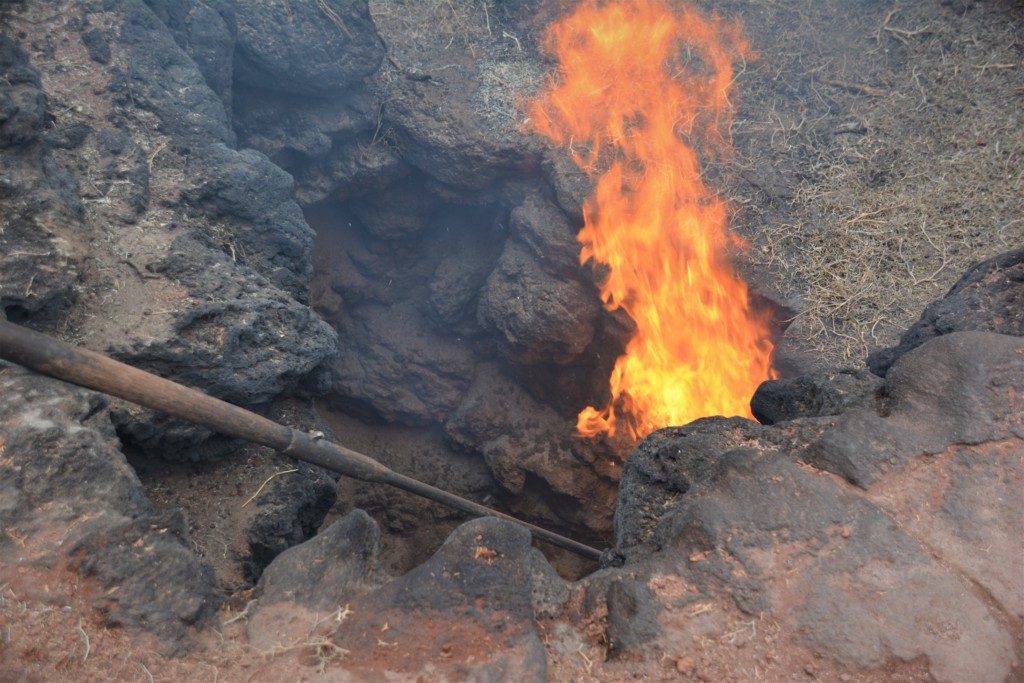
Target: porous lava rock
(539, 317)
(453, 112)
(812, 395)
(963, 390)
(253, 199)
(666, 465)
(69, 498)
(468, 612)
(200, 253)
(163, 78)
(320, 576)
(332, 145)
(725, 521)
(38, 271)
(206, 31)
(548, 234)
(442, 247)
(293, 130)
(533, 454)
(400, 370)
(402, 210)
(289, 511)
(455, 286)
(307, 47)
(243, 341)
(989, 296)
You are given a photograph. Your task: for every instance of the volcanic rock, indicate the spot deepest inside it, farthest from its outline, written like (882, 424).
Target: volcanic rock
(295, 130)
(813, 395)
(318, 576)
(398, 368)
(67, 496)
(352, 168)
(455, 119)
(571, 185)
(400, 211)
(549, 235)
(990, 296)
(38, 273)
(724, 518)
(456, 284)
(243, 341)
(961, 388)
(218, 304)
(307, 47)
(467, 612)
(666, 465)
(288, 512)
(632, 615)
(540, 317)
(532, 453)
(207, 33)
(163, 79)
(253, 199)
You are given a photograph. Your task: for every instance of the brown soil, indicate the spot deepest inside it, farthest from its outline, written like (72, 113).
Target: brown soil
(218, 531)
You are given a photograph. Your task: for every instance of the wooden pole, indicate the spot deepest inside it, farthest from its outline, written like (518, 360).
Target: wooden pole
(92, 370)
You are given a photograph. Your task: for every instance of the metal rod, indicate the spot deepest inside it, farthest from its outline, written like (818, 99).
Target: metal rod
(92, 370)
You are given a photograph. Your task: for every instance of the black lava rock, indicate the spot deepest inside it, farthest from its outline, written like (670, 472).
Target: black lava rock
(990, 297)
(814, 395)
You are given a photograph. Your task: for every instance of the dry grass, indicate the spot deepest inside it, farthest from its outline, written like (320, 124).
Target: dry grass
(457, 25)
(895, 133)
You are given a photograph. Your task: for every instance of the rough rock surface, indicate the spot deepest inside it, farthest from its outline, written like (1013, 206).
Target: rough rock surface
(962, 391)
(244, 342)
(534, 455)
(736, 553)
(872, 533)
(453, 112)
(428, 294)
(207, 32)
(733, 521)
(468, 612)
(180, 277)
(134, 227)
(441, 247)
(400, 211)
(288, 512)
(69, 498)
(413, 528)
(305, 47)
(293, 130)
(400, 370)
(38, 273)
(812, 395)
(666, 465)
(990, 296)
(539, 317)
(318, 576)
(253, 197)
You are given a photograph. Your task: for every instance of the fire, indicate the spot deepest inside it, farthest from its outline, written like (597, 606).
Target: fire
(640, 87)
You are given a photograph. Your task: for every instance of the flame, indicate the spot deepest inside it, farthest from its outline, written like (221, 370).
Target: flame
(640, 85)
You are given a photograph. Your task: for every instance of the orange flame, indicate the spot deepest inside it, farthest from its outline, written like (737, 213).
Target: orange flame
(638, 84)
